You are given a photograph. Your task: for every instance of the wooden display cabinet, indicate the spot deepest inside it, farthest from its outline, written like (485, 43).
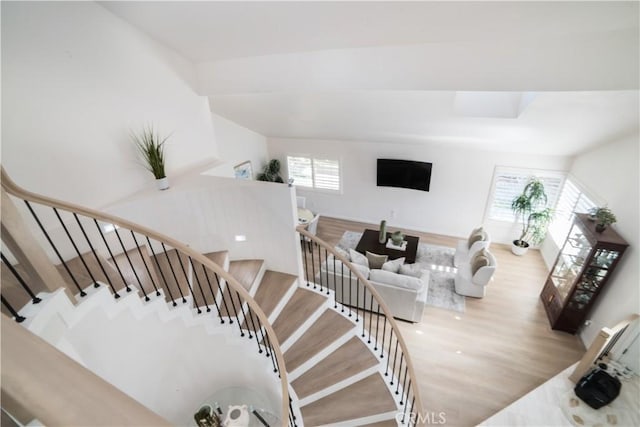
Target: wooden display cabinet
(581, 271)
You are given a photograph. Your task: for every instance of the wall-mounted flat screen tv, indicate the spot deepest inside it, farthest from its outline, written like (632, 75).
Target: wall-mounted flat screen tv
(404, 174)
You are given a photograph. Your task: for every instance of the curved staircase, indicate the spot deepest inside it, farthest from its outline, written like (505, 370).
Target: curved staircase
(340, 366)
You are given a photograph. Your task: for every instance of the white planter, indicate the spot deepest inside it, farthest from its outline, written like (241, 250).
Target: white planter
(162, 183)
(519, 250)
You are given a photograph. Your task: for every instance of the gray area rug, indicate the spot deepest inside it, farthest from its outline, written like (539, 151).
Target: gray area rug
(438, 260)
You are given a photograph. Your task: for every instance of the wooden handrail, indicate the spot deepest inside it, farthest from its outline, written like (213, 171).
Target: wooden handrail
(12, 188)
(387, 312)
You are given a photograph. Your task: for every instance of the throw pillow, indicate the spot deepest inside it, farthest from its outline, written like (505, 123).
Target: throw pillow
(398, 280)
(358, 258)
(480, 235)
(393, 265)
(375, 260)
(480, 259)
(413, 270)
(335, 265)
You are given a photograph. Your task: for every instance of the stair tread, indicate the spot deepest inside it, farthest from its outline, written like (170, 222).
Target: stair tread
(325, 330)
(367, 397)
(386, 423)
(348, 360)
(219, 257)
(245, 271)
(80, 273)
(273, 287)
(300, 306)
(145, 275)
(167, 277)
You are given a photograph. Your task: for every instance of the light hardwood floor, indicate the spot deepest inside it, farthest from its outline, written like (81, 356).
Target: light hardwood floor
(472, 364)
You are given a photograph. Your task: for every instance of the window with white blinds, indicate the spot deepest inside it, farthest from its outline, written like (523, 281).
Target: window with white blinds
(508, 184)
(322, 174)
(572, 200)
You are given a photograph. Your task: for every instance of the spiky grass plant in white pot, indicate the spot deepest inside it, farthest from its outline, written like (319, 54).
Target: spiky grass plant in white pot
(151, 149)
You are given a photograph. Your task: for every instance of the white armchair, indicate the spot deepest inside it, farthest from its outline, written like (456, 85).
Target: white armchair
(473, 277)
(466, 249)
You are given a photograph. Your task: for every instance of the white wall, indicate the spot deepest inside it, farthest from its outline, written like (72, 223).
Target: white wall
(460, 184)
(207, 212)
(75, 81)
(237, 144)
(611, 172)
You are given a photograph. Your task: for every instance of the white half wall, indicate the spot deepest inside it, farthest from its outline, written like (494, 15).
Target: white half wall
(611, 172)
(76, 80)
(237, 144)
(460, 184)
(208, 212)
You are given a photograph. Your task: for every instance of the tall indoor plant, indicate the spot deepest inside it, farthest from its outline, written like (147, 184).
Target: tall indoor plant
(151, 148)
(531, 209)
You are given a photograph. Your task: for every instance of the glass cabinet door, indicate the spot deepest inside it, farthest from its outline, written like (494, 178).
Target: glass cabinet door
(572, 257)
(593, 277)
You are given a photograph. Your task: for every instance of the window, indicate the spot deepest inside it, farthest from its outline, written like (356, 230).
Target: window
(509, 183)
(572, 200)
(322, 174)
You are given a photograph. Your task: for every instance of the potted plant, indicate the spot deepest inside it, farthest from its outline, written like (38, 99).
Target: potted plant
(604, 217)
(531, 207)
(271, 172)
(151, 148)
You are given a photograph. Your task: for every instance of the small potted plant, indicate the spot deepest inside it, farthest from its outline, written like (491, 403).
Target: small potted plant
(151, 148)
(271, 172)
(531, 207)
(604, 217)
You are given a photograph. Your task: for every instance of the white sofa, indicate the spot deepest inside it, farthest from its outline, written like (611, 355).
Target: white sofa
(404, 294)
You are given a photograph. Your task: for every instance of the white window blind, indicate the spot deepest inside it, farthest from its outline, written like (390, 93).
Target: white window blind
(322, 174)
(300, 170)
(509, 183)
(572, 200)
(326, 174)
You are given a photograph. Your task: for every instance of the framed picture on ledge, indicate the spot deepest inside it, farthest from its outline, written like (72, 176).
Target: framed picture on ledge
(243, 170)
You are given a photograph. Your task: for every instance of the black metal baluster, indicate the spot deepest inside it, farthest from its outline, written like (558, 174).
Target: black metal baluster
(384, 333)
(14, 313)
(95, 255)
(55, 249)
(113, 258)
(313, 269)
(342, 296)
(375, 346)
(350, 293)
(34, 298)
(293, 418)
(224, 301)
(364, 323)
(304, 256)
(173, 272)
(135, 273)
(213, 295)
(164, 279)
(145, 263)
(326, 261)
(370, 317)
(395, 359)
(186, 278)
(271, 353)
(364, 304)
(406, 389)
(335, 284)
(386, 371)
(259, 332)
(75, 247)
(400, 372)
(240, 306)
(204, 298)
(412, 417)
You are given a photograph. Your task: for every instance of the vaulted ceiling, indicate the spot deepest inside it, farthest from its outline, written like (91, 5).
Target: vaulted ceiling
(547, 77)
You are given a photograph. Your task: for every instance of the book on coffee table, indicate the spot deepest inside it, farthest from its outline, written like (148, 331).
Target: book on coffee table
(401, 247)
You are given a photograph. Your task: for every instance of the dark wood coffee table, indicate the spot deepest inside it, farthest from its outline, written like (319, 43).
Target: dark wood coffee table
(369, 242)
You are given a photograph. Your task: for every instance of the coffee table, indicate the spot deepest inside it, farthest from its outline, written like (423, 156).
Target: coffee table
(369, 242)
